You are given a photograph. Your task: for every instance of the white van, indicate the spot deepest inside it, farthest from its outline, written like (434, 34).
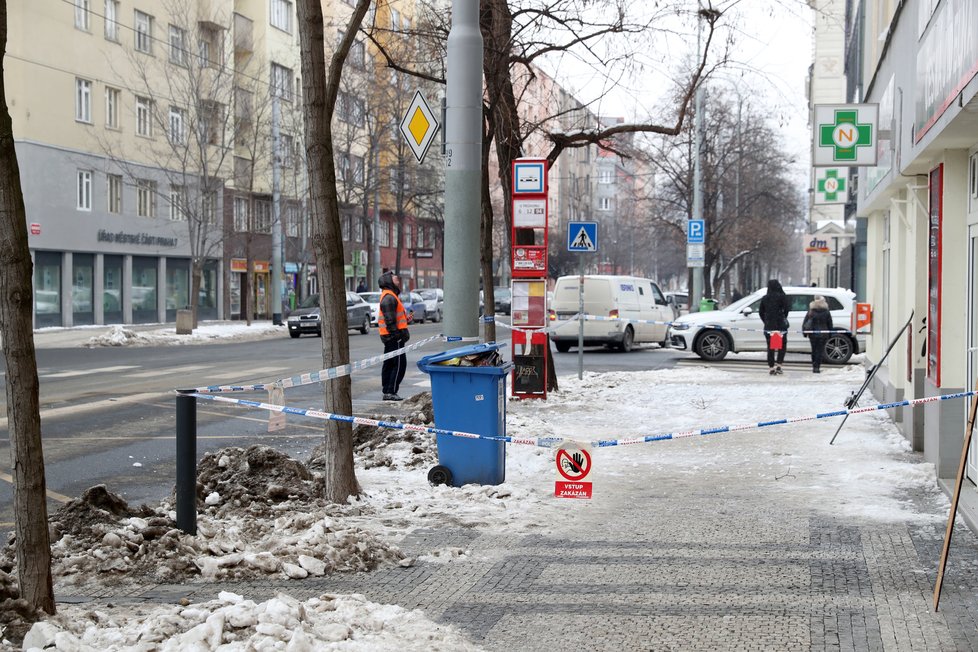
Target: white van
(624, 297)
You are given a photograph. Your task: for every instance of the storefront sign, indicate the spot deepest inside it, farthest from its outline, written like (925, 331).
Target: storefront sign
(35, 228)
(147, 239)
(946, 61)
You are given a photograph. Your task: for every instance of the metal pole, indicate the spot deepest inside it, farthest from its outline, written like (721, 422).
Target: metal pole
(463, 170)
(187, 463)
(580, 323)
(276, 271)
(697, 272)
(375, 254)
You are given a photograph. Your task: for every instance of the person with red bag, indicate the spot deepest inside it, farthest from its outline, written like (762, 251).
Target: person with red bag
(774, 310)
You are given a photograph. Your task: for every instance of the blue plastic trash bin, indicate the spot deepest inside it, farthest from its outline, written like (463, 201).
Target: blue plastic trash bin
(468, 399)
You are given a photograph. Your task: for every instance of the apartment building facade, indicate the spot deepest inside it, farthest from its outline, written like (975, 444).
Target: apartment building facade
(918, 60)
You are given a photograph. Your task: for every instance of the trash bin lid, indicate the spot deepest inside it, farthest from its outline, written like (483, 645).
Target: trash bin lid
(462, 351)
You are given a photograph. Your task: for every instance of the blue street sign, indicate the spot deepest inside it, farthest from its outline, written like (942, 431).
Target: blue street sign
(582, 236)
(697, 232)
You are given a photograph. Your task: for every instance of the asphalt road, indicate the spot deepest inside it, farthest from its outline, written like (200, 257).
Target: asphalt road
(107, 414)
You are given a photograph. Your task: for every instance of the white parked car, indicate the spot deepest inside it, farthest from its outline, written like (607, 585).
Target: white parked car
(373, 298)
(613, 297)
(712, 335)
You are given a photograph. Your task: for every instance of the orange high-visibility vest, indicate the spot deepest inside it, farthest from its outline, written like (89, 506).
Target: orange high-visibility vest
(401, 314)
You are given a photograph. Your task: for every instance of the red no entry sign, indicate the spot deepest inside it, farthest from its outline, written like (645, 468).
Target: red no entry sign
(573, 466)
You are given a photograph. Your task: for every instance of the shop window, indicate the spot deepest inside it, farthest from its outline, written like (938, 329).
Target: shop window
(82, 289)
(144, 275)
(47, 288)
(112, 289)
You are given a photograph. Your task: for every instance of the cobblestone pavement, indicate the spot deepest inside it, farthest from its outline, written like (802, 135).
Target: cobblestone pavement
(683, 557)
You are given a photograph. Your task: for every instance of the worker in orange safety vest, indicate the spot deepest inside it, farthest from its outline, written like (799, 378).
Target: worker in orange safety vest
(393, 325)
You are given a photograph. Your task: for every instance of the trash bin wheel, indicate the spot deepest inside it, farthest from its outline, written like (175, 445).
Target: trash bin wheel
(440, 475)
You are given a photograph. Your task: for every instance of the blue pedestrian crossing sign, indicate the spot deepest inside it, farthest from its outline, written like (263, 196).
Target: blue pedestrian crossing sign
(696, 233)
(582, 236)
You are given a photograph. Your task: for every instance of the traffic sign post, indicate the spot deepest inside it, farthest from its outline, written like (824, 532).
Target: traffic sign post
(582, 237)
(696, 232)
(573, 469)
(419, 126)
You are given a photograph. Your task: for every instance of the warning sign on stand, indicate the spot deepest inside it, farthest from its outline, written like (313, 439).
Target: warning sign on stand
(573, 467)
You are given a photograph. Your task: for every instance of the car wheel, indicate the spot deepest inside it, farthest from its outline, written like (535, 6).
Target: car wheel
(712, 345)
(365, 327)
(293, 334)
(627, 340)
(837, 349)
(562, 347)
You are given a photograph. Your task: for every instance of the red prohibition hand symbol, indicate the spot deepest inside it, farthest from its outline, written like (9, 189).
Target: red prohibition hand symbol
(573, 466)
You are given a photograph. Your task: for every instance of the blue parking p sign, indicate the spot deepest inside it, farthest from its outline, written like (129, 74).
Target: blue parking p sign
(696, 233)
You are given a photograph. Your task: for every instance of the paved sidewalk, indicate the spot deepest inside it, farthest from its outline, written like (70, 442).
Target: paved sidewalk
(723, 544)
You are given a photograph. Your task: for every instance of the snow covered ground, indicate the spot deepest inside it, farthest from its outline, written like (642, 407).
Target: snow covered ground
(291, 533)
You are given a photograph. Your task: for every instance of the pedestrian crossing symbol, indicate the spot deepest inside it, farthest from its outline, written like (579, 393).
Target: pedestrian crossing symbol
(582, 236)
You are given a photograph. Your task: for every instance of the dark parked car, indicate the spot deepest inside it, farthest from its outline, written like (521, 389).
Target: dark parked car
(415, 306)
(306, 318)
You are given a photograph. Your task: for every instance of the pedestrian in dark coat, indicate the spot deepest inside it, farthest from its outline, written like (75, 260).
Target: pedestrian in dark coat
(774, 310)
(818, 319)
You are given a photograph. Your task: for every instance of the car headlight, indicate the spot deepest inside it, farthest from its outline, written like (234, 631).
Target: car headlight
(679, 326)
(293, 319)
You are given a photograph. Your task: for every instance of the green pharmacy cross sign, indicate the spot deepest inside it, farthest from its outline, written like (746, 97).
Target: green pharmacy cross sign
(845, 133)
(831, 186)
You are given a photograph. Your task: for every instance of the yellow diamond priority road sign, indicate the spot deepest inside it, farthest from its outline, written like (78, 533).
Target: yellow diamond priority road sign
(419, 126)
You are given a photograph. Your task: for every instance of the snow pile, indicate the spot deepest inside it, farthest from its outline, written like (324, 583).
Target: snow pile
(120, 335)
(233, 623)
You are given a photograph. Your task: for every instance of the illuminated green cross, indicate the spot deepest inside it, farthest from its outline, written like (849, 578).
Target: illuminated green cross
(832, 185)
(845, 135)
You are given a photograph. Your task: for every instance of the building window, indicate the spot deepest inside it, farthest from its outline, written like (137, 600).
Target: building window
(286, 147)
(606, 175)
(144, 32)
(209, 45)
(178, 202)
(395, 20)
(177, 134)
(293, 220)
(83, 100)
(112, 99)
(384, 237)
(211, 122)
(114, 193)
(208, 207)
(604, 203)
(178, 45)
(282, 82)
(144, 116)
(145, 198)
(281, 15)
(84, 190)
(263, 216)
(241, 214)
(358, 168)
(112, 20)
(82, 14)
(419, 233)
(358, 231)
(242, 172)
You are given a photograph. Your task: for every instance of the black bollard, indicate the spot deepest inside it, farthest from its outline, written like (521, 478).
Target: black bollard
(187, 463)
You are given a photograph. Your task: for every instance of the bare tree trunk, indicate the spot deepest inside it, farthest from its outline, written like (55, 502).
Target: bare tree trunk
(320, 89)
(23, 411)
